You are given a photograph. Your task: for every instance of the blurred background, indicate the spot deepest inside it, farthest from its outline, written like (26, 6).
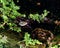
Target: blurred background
(37, 6)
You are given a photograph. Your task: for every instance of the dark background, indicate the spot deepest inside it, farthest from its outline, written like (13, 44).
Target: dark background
(30, 6)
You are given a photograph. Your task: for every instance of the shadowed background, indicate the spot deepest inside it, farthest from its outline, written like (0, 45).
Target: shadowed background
(37, 6)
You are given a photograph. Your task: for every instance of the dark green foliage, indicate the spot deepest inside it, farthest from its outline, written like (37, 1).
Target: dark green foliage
(38, 17)
(29, 41)
(8, 13)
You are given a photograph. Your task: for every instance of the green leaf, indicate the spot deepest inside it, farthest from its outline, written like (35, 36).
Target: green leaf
(55, 46)
(1, 45)
(17, 29)
(38, 17)
(29, 41)
(5, 18)
(13, 17)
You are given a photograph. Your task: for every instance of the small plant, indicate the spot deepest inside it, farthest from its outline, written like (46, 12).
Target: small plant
(38, 17)
(56, 46)
(8, 13)
(28, 41)
(3, 41)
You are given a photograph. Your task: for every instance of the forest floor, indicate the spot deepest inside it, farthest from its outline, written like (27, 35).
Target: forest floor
(14, 38)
